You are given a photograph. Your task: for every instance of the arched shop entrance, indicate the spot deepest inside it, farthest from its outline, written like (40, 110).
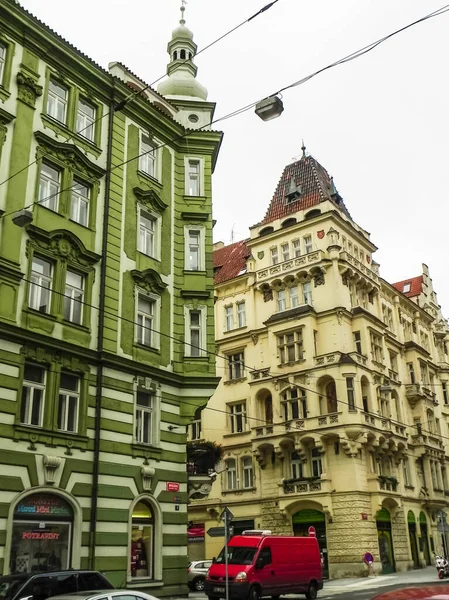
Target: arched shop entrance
(304, 519)
(424, 539)
(411, 521)
(41, 534)
(383, 523)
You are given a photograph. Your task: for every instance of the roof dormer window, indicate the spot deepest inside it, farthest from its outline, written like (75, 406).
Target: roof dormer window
(407, 287)
(293, 192)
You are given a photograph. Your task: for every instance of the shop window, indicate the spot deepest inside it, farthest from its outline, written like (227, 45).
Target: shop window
(142, 541)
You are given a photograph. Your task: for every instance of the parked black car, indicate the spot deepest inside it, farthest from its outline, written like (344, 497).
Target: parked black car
(41, 586)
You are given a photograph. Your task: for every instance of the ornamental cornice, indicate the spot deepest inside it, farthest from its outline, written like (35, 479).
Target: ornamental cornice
(149, 280)
(67, 154)
(47, 356)
(28, 89)
(151, 198)
(61, 244)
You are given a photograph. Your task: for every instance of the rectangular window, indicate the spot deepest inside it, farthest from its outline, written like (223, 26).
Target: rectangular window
(147, 156)
(2, 61)
(294, 297)
(274, 256)
(194, 261)
(193, 177)
(229, 317)
(145, 320)
(33, 392)
(411, 372)
(424, 373)
(290, 346)
(376, 347)
(85, 120)
(358, 342)
(285, 249)
(40, 286)
(57, 101)
(79, 206)
(296, 465)
(68, 406)
(393, 361)
(73, 297)
(317, 465)
(405, 471)
(445, 392)
(144, 418)
(196, 431)
(296, 247)
(231, 474)
(308, 247)
(237, 415)
(241, 314)
(146, 234)
(307, 292)
(195, 333)
(236, 365)
(282, 300)
(49, 187)
(350, 393)
(248, 474)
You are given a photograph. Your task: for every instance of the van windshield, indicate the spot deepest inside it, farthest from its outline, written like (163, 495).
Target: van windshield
(237, 555)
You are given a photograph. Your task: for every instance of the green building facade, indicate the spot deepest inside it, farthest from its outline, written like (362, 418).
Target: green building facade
(106, 305)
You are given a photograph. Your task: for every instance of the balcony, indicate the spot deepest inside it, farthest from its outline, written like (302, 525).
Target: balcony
(360, 266)
(260, 374)
(385, 424)
(306, 485)
(429, 441)
(416, 391)
(289, 266)
(387, 483)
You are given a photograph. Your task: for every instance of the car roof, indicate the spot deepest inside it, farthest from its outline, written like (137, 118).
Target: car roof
(29, 574)
(432, 592)
(99, 593)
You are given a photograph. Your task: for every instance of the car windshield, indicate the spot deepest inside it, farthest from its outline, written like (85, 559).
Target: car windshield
(10, 586)
(237, 555)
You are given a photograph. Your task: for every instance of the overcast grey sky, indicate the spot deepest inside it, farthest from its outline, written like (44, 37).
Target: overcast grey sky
(377, 124)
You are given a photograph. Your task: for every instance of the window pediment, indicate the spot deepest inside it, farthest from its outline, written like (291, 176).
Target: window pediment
(61, 244)
(68, 155)
(149, 280)
(150, 198)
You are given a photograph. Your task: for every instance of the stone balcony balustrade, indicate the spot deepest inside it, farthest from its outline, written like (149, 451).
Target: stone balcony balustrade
(367, 271)
(416, 391)
(290, 267)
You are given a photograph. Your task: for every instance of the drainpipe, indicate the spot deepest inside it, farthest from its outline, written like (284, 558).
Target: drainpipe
(99, 381)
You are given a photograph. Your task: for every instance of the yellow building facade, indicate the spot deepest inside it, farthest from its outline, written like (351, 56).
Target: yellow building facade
(333, 405)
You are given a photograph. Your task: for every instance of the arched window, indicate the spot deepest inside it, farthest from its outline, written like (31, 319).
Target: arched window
(288, 222)
(266, 231)
(397, 406)
(183, 54)
(331, 397)
(175, 55)
(142, 541)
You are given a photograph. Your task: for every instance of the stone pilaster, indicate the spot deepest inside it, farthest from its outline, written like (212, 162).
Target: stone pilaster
(401, 549)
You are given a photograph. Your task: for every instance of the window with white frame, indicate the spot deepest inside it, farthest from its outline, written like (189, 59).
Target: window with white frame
(57, 101)
(307, 292)
(285, 250)
(294, 296)
(308, 246)
(317, 465)
(296, 248)
(193, 177)
(194, 252)
(350, 392)
(40, 286)
(33, 395)
(376, 347)
(247, 472)
(241, 314)
(290, 346)
(2, 61)
(146, 308)
(229, 317)
(358, 342)
(195, 341)
(231, 474)
(274, 255)
(296, 465)
(144, 419)
(49, 187)
(236, 365)
(282, 300)
(147, 155)
(147, 233)
(294, 401)
(68, 404)
(237, 417)
(73, 297)
(79, 205)
(85, 120)
(196, 428)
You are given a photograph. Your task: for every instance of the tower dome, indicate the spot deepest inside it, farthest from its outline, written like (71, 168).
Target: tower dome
(181, 70)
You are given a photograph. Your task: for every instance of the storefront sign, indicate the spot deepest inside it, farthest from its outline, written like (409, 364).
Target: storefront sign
(39, 505)
(195, 533)
(40, 535)
(172, 486)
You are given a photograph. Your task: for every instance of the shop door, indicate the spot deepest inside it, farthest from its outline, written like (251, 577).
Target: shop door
(424, 542)
(304, 519)
(413, 544)
(383, 523)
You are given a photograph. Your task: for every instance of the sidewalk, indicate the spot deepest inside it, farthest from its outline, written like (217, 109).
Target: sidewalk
(338, 586)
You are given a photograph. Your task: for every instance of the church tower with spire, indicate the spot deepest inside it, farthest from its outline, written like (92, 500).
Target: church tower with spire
(181, 87)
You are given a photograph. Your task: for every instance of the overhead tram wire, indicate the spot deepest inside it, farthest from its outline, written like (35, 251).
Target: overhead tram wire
(349, 57)
(272, 377)
(121, 105)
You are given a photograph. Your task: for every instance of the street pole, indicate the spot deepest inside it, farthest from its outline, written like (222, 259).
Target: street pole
(226, 528)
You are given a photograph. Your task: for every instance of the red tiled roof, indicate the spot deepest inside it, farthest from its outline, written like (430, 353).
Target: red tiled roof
(230, 261)
(415, 286)
(315, 184)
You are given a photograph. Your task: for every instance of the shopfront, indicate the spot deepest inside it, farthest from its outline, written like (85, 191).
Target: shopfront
(383, 523)
(41, 534)
(301, 522)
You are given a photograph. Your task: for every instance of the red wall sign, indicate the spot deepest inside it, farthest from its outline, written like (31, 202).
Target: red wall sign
(172, 486)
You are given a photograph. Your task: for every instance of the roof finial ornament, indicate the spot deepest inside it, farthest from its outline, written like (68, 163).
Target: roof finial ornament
(303, 148)
(183, 7)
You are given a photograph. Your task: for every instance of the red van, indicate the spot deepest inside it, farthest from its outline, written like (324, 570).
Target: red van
(261, 564)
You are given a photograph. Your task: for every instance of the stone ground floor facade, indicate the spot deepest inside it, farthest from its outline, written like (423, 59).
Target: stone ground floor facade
(401, 534)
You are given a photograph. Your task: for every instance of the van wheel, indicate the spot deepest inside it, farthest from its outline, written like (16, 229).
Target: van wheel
(254, 593)
(312, 592)
(198, 584)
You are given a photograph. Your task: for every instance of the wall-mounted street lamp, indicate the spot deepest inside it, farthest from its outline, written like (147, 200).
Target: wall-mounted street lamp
(269, 108)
